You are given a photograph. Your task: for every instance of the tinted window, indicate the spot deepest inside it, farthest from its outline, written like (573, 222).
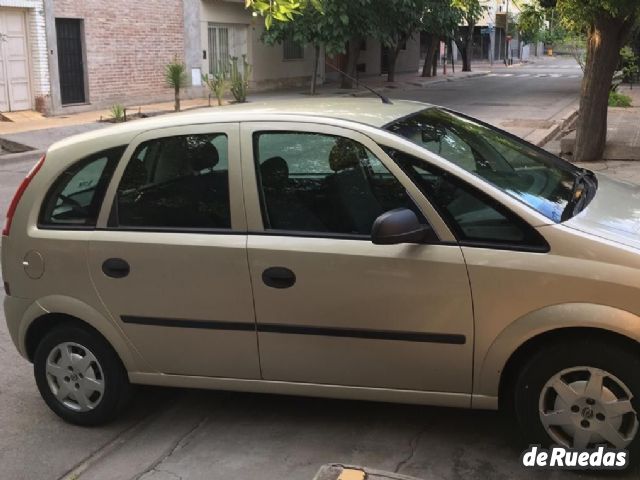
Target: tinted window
(533, 176)
(322, 183)
(473, 216)
(76, 196)
(176, 182)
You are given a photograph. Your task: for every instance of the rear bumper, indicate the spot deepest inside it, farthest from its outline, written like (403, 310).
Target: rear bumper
(14, 311)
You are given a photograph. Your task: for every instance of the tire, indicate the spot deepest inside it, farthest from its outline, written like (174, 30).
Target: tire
(83, 369)
(581, 415)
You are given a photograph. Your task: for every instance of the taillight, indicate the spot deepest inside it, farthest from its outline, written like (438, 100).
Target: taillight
(18, 195)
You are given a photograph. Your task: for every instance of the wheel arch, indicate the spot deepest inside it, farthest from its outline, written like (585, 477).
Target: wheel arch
(49, 312)
(518, 359)
(553, 323)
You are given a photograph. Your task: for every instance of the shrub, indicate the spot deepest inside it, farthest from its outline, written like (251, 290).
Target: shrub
(175, 76)
(118, 112)
(240, 79)
(217, 84)
(617, 99)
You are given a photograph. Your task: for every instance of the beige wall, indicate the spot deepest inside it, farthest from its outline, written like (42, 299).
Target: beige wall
(269, 67)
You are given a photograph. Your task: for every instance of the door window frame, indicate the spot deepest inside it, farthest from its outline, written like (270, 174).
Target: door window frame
(252, 202)
(232, 132)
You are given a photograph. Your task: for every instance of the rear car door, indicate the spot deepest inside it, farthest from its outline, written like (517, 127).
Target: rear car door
(169, 257)
(332, 307)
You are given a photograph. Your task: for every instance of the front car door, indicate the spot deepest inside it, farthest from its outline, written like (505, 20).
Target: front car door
(332, 307)
(169, 257)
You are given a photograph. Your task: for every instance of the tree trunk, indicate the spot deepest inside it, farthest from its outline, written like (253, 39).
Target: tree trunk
(606, 38)
(431, 53)
(434, 64)
(314, 77)
(466, 57)
(177, 99)
(464, 53)
(353, 52)
(394, 50)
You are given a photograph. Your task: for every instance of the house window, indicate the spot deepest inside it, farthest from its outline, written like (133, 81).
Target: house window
(218, 48)
(292, 49)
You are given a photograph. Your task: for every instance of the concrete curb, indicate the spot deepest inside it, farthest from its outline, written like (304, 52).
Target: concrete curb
(337, 471)
(561, 120)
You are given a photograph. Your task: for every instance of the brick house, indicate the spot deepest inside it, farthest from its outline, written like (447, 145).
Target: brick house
(64, 56)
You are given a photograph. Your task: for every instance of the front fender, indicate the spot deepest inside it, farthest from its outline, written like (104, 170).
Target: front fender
(73, 307)
(490, 366)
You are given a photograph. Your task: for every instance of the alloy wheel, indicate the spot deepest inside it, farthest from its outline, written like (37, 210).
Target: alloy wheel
(584, 406)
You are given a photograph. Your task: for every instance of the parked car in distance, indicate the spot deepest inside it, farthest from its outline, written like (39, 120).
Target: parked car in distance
(340, 248)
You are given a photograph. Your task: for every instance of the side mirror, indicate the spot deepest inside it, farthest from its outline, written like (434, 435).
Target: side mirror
(399, 226)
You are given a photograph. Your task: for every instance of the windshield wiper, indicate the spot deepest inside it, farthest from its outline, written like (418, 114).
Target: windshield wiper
(583, 185)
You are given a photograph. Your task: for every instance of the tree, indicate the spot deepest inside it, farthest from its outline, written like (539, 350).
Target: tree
(326, 29)
(530, 24)
(395, 21)
(607, 24)
(471, 11)
(281, 10)
(439, 22)
(175, 76)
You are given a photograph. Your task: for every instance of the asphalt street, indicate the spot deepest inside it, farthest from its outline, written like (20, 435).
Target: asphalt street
(172, 433)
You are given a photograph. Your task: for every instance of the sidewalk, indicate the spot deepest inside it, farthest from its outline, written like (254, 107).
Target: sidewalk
(30, 121)
(623, 131)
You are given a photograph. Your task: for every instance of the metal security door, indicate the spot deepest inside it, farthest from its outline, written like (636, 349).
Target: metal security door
(70, 60)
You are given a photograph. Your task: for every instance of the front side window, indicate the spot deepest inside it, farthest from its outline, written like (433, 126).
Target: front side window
(470, 214)
(553, 187)
(179, 182)
(320, 183)
(75, 198)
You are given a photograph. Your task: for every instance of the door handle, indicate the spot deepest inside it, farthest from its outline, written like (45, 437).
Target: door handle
(278, 277)
(116, 268)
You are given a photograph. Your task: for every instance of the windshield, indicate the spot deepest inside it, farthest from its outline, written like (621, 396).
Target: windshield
(535, 177)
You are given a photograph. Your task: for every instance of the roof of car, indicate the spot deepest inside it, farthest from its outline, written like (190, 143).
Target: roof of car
(368, 111)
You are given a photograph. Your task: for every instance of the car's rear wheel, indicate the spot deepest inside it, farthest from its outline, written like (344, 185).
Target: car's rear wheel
(79, 375)
(579, 395)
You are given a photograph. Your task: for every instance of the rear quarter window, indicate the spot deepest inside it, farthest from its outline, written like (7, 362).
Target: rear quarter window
(75, 197)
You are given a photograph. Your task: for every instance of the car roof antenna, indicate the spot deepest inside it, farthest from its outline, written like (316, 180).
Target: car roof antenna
(382, 97)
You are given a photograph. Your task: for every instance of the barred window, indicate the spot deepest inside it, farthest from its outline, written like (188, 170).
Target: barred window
(292, 50)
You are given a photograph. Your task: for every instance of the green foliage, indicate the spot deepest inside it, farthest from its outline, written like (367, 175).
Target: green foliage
(530, 24)
(117, 112)
(396, 20)
(441, 18)
(471, 10)
(281, 10)
(629, 63)
(579, 15)
(330, 27)
(217, 84)
(175, 74)
(617, 99)
(240, 79)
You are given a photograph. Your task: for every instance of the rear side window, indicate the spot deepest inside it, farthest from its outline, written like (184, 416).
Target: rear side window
(75, 198)
(179, 182)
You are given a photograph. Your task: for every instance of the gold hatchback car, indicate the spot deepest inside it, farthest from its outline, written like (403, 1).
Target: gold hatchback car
(340, 248)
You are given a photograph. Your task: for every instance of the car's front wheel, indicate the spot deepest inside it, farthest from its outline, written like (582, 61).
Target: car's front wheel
(79, 375)
(581, 394)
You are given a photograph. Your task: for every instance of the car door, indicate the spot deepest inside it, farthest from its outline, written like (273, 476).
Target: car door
(332, 307)
(169, 260)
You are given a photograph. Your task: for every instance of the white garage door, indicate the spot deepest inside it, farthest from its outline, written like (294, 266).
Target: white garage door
(15, 91)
